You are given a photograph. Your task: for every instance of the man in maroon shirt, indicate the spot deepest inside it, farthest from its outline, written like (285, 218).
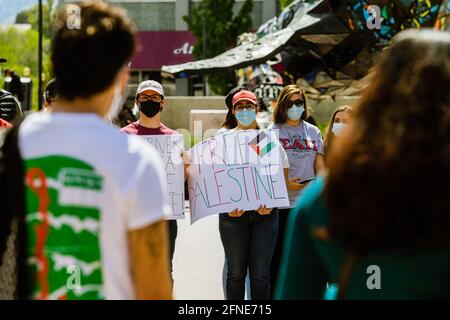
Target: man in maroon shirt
(150, 100)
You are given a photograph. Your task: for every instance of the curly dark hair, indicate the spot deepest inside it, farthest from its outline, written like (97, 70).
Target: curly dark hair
(87, 60)
(389, 173)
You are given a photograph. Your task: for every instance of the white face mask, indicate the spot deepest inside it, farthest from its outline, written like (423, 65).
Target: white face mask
(337, 128)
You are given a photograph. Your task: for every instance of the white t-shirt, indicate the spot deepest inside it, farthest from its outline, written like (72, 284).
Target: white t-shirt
(100, 185)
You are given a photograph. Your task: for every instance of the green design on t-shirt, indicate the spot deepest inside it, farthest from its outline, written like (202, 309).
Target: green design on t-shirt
(63, 228)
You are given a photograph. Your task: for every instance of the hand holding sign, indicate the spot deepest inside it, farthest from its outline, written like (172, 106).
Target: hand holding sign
(236, 213)
(264, 211)
(241, 169)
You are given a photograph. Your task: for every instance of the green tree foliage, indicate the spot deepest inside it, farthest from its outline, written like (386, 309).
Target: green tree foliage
(21, 47)
(31, 16)
(222, 28)
(21, 50)
(285, 3)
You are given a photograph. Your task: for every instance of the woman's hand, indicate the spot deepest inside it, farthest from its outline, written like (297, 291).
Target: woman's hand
(295, 185)
(236, 213)
(264, 211)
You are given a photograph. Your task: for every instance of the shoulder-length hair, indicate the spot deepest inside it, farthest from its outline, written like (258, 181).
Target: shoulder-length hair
(329, 135)
(283, 104)
(389, 173)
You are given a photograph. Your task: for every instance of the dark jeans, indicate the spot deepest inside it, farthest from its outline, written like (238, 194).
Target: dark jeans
(248, 242)
(173, 231)
(276, 259)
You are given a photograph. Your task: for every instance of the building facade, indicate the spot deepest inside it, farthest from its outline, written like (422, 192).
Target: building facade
(164, 38)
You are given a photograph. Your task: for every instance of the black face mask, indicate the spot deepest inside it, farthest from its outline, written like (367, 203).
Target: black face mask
(150, 108)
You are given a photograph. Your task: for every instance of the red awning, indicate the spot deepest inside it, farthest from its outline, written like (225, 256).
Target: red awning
(158, 48)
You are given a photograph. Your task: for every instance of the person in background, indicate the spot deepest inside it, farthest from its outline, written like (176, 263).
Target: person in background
(50, 96)
(248, 237)
(339, 120)
(264, 116)
(14, 85)
(10, 109)
(95, 198)
(150, 101)
(303, 144)
(369, 225)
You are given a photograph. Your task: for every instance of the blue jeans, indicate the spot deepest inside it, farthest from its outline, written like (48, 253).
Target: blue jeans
(247, 282)
(249, 242)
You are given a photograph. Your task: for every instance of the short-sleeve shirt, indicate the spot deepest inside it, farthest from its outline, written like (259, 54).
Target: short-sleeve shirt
(301, 144)
(87, 186)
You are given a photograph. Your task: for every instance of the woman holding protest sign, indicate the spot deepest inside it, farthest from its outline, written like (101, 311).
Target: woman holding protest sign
(303, 144)
(248, 237)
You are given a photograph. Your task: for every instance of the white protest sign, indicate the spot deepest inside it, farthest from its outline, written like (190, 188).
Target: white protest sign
(170, 147)
(236, 170)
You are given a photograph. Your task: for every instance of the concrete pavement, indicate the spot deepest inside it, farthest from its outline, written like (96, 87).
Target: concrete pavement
(198, 260)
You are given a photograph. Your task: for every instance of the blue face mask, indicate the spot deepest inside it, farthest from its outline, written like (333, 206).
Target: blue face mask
(337, 128)
(246, 117)
(295, 112)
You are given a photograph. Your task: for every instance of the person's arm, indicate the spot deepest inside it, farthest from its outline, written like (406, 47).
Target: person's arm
(319, 163)
(302, 275)
(186, 162)
(149, 260)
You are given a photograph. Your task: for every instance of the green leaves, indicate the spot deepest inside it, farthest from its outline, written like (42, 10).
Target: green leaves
(21, 48)
(31, 16)
(285, 3)
(216, 28)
